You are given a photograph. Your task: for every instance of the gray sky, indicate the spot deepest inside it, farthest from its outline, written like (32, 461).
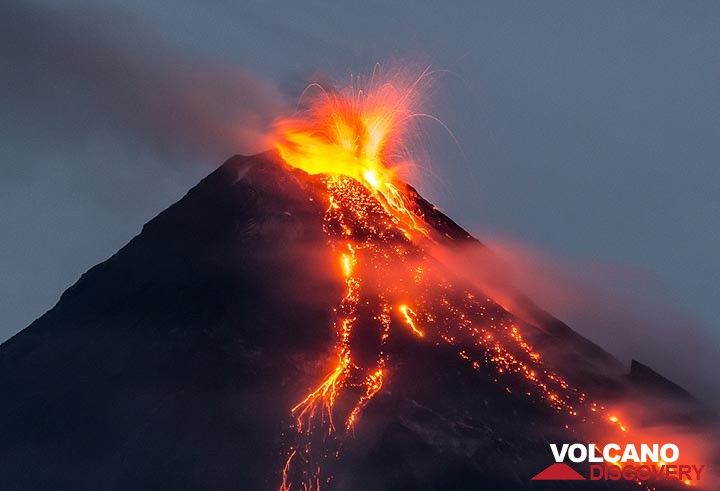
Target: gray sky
(588, 130)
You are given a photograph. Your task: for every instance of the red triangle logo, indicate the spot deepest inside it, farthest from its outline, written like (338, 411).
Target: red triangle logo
(558, 472)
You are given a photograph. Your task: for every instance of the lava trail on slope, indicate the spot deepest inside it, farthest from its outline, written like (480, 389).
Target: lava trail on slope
(381, 240)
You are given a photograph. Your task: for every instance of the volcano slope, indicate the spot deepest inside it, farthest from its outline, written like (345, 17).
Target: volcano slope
(209, 354)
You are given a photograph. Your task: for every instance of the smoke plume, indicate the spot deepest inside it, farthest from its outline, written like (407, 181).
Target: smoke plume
(102, 68)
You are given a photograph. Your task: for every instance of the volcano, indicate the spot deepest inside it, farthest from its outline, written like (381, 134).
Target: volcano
(260, 335)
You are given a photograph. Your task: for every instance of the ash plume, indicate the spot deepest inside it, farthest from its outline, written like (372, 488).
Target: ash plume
(101, 68)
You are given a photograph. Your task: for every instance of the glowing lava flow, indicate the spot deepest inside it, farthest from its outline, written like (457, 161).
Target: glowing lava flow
(347, 139)
(355, 133)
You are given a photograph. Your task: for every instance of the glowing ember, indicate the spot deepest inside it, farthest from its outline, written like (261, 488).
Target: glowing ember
(409, 314)
(356, 133)
(351, 139)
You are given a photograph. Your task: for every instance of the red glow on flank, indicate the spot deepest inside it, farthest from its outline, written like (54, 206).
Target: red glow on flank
(352, 140)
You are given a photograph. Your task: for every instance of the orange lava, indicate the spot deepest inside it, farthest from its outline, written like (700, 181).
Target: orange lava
(350, 138)
(356, 133)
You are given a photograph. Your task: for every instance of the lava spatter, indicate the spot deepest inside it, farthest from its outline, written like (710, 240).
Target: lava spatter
(391, 282)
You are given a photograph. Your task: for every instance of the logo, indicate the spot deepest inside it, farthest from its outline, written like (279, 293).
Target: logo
(614, 462)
